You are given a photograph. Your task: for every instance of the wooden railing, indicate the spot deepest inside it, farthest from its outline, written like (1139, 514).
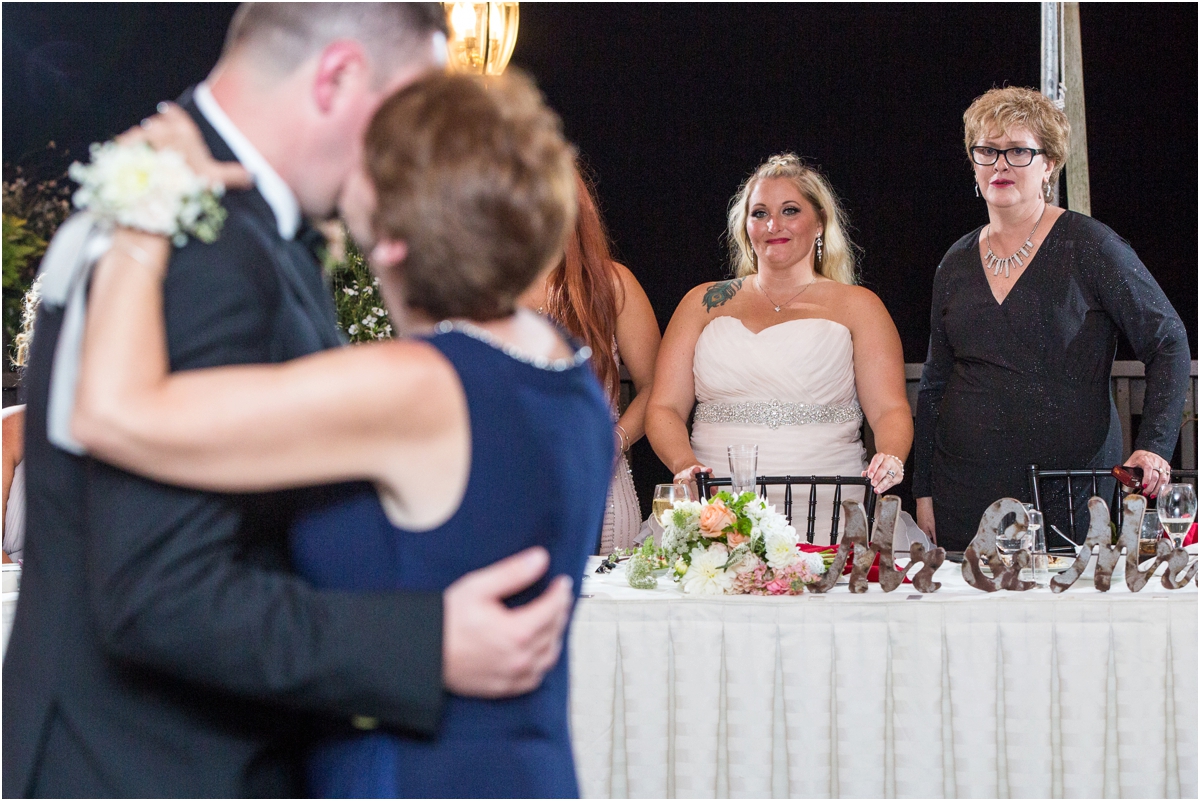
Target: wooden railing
(1129, 392)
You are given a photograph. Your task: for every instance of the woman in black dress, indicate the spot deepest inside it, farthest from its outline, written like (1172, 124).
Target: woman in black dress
(1023, 332)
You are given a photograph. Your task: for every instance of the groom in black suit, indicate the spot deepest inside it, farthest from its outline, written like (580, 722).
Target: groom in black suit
(161, 646)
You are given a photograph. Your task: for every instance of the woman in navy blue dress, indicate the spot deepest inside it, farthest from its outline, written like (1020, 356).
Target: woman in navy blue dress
(483, 433)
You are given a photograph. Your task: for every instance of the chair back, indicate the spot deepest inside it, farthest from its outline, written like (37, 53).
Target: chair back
(705, 484)
(1090, 478)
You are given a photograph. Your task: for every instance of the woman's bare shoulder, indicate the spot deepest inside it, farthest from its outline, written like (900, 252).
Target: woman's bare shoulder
(408, 376)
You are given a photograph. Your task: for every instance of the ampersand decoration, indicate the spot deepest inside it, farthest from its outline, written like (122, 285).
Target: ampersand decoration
(983, 546)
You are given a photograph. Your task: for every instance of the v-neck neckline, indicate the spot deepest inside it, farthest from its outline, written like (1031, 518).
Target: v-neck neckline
(983, 270)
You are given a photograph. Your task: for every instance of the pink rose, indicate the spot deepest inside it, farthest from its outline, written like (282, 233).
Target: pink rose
(778, 586)
(734, 539)
(715, 518)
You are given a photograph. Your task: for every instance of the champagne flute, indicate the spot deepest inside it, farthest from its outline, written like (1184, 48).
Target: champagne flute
(1176, 509)
(1039, 556)
(743, 468)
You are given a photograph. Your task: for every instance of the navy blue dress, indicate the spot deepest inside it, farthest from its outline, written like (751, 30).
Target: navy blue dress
(541, 456)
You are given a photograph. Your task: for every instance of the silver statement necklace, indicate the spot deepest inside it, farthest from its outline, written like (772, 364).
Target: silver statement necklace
(994, 263)
(779, 306)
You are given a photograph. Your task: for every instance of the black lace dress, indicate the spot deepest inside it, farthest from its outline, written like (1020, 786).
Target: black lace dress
(1028, 381)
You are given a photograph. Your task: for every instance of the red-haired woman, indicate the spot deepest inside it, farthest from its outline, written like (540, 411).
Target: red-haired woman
(600, 303)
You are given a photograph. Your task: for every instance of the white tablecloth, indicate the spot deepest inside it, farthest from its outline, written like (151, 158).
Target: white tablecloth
(956, 694)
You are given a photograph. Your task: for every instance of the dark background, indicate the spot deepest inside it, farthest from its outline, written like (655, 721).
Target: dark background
(673, 105)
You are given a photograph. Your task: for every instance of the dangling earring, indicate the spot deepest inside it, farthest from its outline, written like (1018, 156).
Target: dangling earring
(820, 245)
(976, 189)
(1046, 190)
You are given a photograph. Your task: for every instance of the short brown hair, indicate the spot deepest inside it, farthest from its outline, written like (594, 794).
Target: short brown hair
(1001, 110)
(284, 35)
(475, 176)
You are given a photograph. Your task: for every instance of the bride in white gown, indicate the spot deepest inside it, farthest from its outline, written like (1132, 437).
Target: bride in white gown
(789, 355)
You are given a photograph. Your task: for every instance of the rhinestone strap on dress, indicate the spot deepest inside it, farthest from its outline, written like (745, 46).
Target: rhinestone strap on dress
(487, 338)
(775, 413)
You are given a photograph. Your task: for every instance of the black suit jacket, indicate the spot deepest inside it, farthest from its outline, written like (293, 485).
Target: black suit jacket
(161, 646)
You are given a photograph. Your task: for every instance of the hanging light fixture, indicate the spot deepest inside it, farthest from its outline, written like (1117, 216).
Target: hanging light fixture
(482, 36)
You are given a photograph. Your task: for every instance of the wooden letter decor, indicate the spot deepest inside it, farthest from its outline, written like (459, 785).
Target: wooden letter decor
(984, 547)
(854, 544)
(1179, 572)
(1098, 534)
(1134, 507)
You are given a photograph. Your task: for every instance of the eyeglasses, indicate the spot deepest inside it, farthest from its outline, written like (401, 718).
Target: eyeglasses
(1015, 156)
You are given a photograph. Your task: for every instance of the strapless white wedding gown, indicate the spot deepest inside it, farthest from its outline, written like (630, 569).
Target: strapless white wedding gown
(788, 389)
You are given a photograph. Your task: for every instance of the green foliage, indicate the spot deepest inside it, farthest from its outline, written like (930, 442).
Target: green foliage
(22, 251)
(361, 313)
(21, 246)
(32, 213)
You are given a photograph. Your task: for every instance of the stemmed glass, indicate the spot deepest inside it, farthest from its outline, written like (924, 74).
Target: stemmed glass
(665, 496)
(1176, 509)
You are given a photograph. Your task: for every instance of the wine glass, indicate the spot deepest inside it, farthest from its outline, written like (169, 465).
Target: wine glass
(1176, 509)
(665, 496)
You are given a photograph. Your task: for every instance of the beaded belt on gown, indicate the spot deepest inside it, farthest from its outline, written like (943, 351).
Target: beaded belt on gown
(775, 413)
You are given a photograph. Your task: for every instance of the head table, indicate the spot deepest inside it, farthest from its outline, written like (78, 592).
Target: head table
(958, 693)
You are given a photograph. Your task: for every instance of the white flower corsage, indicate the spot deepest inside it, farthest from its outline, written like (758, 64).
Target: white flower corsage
(136, 186)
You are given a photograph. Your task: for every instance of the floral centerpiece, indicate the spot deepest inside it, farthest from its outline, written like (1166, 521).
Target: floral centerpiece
(736, 546)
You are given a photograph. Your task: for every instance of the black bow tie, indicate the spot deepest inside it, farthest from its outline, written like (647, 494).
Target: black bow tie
(312, 239)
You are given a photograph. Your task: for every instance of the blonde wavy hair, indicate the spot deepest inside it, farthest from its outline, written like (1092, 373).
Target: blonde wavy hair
(1001, 110)
(838, 260)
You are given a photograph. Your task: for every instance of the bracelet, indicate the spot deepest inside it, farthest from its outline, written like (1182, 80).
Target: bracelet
(898, 460)
(625, 443)
(139, 255)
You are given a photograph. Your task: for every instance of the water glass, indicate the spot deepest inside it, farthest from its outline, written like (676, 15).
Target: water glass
(1150, 534)
(1012, 539)
(1176, 509)
(743, 467)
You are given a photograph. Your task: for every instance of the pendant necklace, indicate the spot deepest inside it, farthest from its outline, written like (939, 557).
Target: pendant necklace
(779, 306)
(994, 263)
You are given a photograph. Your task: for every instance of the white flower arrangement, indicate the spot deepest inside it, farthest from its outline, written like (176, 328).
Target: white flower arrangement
(156, 191)
(731, 546)
(361, 314)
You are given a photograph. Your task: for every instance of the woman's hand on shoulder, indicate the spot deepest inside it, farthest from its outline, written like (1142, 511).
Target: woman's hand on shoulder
(173, 129)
